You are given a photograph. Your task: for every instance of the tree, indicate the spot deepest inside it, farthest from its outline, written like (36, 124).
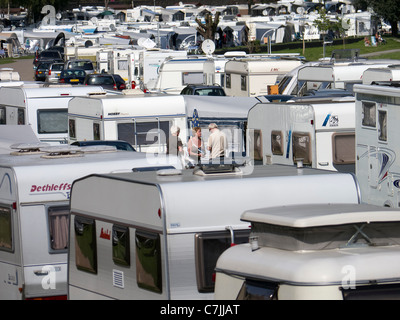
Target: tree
(208, 29)
(388, 10)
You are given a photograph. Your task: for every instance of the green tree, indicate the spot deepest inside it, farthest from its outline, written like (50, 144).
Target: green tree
(388, 10)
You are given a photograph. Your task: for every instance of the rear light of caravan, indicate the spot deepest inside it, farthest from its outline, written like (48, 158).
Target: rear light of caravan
(64, 297)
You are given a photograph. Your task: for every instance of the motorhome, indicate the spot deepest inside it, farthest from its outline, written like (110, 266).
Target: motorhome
(314, 252)
(336, 75)
(319, 133)
(44, 109)
(158, 235)
(252, 77)
(391, 73)
(145, 120)
(175, 74)
(35, 188)
(377, 148)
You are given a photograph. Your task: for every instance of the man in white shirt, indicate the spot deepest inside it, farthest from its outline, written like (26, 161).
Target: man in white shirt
(217, 142)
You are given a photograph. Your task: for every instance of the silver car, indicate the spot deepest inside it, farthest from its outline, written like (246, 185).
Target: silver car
(54, 71)
(84, 64)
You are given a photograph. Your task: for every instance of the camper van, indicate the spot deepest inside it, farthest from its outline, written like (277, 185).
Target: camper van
(337, 75)
(313, 132)
(158, 235)
(391, 73)
(314, 252)
(35, 188)
(175, 74)
(377, 148)
(44, 109)
(252, 77)
(145, 120)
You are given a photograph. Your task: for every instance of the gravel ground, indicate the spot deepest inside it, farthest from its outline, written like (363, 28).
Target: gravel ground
(24, 67)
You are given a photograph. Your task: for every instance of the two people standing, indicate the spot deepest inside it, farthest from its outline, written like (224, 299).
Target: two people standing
(217, 143)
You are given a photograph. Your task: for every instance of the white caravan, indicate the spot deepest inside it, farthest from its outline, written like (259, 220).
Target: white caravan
(158, 236)
(312, 132)
(175, 74)
(145, 120)
(391, 73)
(35, 186)
(44, 109)
(314, 252)
(377, 145)
(252, 77)
(338, 75)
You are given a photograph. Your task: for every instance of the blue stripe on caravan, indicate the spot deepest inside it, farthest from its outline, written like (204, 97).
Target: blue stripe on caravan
(326, 120)
(288, 144)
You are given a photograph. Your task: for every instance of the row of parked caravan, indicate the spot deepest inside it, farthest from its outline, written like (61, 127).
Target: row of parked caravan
(304, 206)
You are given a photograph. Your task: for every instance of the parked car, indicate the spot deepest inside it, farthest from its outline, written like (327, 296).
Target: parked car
(203, 90)
(54, 71)
(42, 68)
(72, 76)
(107, 81)
(119, 144)
(84, 64)
(47, 55)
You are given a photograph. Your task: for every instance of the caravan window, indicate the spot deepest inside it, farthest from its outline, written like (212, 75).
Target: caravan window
(343, 149)
(301, 143)
(122, 64)
(71, 126)
(277, 142)
(52, 121)
(85, 244)
(120, 245)
(258, 290)
(208, 247)
(256, 144)
(192, 78)
(6, 236)
(382, 118)
(141, 134)
(96, 131)
(148, 261)
(58, 227)
(21, 116)
(3, 115)
(243, 83)
(369, 114)
(228, 81)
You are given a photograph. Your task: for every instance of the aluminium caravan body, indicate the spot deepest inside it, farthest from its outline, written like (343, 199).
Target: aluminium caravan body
(44, 109)
(145, 120)
(391, 73)
(314, 252)
(252, 77)
(377, 145)
(151, 238)
(34, 209)
(175, 74)
(313, 132)
(337, 75)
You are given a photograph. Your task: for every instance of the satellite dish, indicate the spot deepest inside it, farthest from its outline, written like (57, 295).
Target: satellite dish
(146, 43)
(300, 10)
(208, 46)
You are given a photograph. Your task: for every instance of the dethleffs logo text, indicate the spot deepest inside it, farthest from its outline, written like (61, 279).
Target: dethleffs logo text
(51, 188)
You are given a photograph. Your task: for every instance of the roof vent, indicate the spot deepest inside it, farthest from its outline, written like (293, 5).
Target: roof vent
(61, 152)
(27, 148)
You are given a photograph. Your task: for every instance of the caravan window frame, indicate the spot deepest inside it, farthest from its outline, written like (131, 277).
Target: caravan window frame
(156, 275)
(336, 146)
(277, 147)
(368, 119)
(72, 128)
(79, 227)
(205, 262)
(57, 111)
(307, 159)
(121, 254)
(53, 230)
(7, 245)
(191, 78)
(382, 125)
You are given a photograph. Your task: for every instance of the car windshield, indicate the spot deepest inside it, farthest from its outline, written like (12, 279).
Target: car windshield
(73, 73)
(210, 92)
(100, 80)
(50, 54)
(85, 65)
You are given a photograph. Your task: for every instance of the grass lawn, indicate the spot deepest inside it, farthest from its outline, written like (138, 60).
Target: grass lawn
(10, 60)
(313, 54)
